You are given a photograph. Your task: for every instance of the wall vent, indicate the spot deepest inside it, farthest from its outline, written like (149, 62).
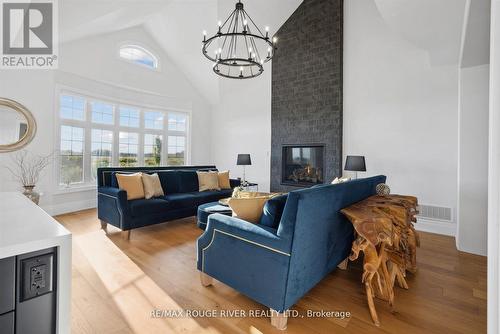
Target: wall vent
(434, 212)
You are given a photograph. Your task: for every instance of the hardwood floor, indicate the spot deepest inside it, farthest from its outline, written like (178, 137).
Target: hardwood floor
(118, 283)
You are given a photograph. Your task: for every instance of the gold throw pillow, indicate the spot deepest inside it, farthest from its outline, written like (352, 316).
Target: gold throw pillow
(152, 186)
(132, 184)
(208, 181)
(248, 209)
(224, 180)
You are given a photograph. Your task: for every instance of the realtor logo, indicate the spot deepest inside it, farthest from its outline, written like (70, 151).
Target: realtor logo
(28, 34)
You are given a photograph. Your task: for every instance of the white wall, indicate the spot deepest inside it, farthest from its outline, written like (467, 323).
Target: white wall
(473, 160)
(91, 65)
(399, 111)
(241, 123)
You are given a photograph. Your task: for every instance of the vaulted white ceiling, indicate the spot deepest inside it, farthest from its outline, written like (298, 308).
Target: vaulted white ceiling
(176, 25)
(436, 26)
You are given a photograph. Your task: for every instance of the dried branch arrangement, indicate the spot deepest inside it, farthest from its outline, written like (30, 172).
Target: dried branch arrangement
(26, 168)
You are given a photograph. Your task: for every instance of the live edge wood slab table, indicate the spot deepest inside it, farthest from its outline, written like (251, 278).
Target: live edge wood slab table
(386, 236)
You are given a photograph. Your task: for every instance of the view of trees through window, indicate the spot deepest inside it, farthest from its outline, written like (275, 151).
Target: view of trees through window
(96, 133)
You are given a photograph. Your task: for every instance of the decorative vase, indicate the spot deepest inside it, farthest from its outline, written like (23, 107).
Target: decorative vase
(31, 194)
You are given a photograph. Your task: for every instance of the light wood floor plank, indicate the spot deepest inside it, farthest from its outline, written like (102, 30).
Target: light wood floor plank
(117, 283)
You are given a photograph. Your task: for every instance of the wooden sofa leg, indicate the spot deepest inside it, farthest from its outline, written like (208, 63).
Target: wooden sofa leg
(205, 279)
(343, 265)
(126, 235)
(104, 226)
(279, 320)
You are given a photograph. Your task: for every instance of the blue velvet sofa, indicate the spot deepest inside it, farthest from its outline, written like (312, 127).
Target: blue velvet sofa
(180, 185)
(280, 259)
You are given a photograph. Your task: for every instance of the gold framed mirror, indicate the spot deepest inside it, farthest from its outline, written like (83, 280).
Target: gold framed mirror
(17, 125)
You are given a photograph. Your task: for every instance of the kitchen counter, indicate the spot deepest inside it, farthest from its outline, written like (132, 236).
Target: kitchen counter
(26, 228)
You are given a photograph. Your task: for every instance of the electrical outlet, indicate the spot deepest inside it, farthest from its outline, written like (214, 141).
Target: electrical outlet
(37, 276)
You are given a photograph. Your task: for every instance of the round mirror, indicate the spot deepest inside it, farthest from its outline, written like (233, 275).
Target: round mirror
(17, 125)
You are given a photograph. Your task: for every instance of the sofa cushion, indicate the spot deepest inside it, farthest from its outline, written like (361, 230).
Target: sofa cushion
(169, 181)
(132, 184)
(181, 200)
(152, 185)
(208, 181)
(144, 207)
(273, 209)
(224, 182)
(188, 181)
(211, 196)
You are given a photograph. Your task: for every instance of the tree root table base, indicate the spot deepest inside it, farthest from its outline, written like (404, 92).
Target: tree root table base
(387, 238)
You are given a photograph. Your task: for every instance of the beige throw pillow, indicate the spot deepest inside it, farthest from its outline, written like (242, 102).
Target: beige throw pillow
(248, 209)
(224, 180)
(152, 186)
(132, 184)
(208, 181)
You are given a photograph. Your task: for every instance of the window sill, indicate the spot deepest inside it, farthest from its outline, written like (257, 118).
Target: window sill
(74, 189)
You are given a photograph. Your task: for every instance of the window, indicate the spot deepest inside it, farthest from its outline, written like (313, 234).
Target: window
(152, 149)
(101, 133)
(72, 107)
(138, 55)
(102, 112)
(176, 149)
(72, 142)
(129, 149)
(153, 120)
(176, 122)
(101, 150)
(129, 117)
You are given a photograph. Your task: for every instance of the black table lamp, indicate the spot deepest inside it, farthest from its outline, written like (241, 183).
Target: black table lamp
(355, 163)
(244, 160)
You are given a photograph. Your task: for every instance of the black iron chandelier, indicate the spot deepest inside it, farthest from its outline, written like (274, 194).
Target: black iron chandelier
(239, 49)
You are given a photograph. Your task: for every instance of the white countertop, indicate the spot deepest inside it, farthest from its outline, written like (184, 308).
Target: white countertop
(25, 227)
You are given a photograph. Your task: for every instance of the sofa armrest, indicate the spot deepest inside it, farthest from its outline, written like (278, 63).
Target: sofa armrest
(240, 254)
(235, 183)
(112, 206)
(245, 232)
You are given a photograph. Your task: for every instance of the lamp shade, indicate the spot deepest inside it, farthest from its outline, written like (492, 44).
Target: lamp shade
(244, 160)
(355, 163)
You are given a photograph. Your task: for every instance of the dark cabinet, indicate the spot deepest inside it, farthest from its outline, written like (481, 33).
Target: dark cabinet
(7, 284)
(7, 323)
(28, 293)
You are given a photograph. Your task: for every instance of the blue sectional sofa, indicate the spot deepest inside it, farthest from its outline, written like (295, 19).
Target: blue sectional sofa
(180, 185)
(275, 263)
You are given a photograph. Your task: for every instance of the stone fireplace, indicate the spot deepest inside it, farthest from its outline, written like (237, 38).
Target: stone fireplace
(302, 165)
(307, 97)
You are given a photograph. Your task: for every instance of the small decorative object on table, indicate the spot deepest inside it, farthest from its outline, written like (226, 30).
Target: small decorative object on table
(387, 237)
(382, 189)
(26, 169)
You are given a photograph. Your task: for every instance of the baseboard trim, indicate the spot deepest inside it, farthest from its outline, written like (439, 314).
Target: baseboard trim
(434, 226)
(67, 207)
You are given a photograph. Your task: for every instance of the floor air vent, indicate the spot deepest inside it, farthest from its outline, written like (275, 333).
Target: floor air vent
(434, 212)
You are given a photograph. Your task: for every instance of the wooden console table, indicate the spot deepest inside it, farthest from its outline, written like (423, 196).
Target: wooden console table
(388, 240)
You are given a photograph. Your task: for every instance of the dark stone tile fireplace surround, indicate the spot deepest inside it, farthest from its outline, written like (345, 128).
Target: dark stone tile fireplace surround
(307, 97)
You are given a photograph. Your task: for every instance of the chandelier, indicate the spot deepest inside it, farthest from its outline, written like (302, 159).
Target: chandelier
(239, 49)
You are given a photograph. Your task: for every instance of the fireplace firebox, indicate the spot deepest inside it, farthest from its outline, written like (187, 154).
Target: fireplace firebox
(303, 165)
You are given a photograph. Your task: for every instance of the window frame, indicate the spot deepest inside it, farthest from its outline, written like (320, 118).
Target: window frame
(145, 49)
(87, 124)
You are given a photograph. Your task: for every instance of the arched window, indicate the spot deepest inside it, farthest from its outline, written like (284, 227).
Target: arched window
(138, 55)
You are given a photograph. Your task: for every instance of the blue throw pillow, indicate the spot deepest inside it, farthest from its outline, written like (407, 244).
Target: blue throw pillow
(273, 209)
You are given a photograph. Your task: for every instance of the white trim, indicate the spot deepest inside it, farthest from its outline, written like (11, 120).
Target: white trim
(494, 174)
(436, 226)
(68, 207)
